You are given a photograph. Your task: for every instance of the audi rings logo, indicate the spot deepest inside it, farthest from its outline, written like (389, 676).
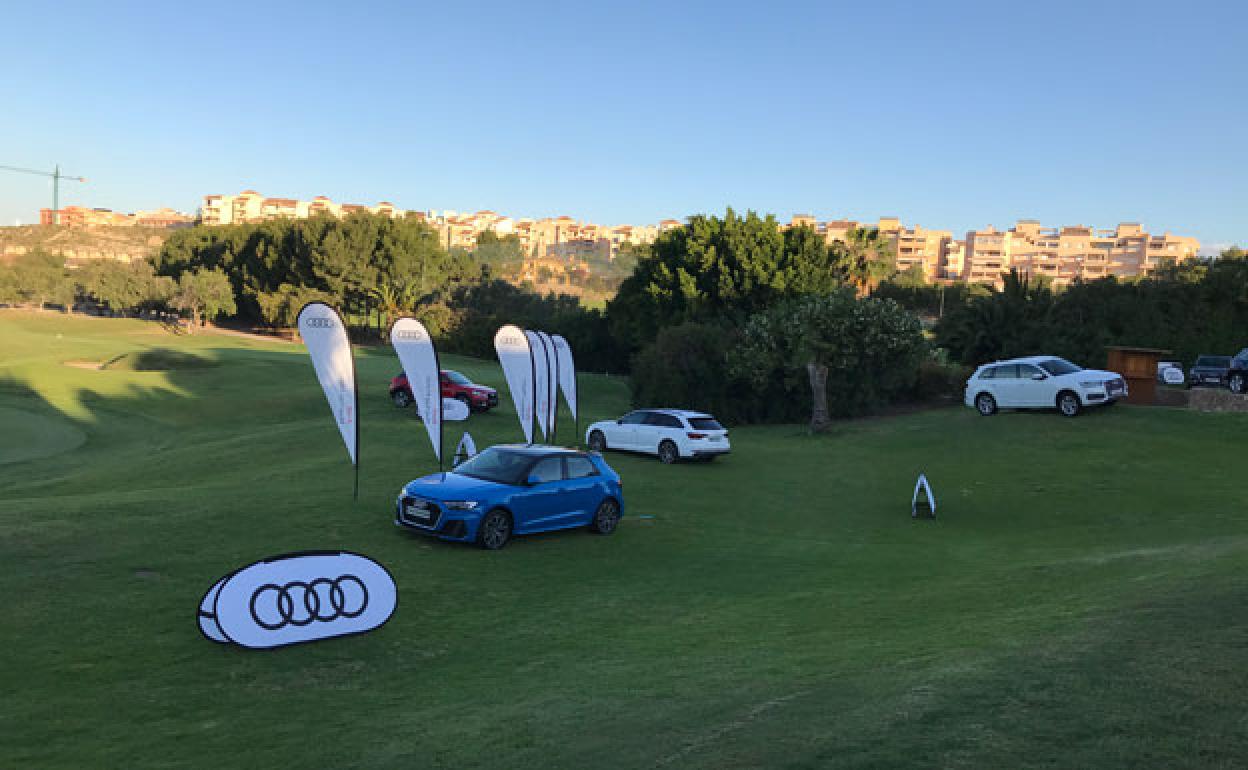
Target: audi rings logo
(297, 598)
(322, 600)
(320, 322)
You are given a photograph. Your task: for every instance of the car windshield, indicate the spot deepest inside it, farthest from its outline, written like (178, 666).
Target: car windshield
(1059, 366)
(1217, 362)
(705, 423)
(457, 378)
(499, 465)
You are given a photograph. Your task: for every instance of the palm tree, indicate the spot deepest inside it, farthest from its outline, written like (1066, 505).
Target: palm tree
(867, 258)
(393, 299)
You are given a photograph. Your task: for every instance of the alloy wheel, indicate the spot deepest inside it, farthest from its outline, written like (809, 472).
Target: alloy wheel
(607, 517)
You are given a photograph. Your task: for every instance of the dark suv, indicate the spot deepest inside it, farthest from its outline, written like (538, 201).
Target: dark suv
(1209, 370)
(1237, 374)
(478, 398)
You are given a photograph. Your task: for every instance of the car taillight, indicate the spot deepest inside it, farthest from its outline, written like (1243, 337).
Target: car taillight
(696, 435)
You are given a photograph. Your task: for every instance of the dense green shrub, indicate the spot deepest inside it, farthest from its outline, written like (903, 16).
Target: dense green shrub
(1199, 306)
(687, 366)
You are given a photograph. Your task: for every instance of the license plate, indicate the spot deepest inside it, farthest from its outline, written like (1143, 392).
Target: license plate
(1213, 379)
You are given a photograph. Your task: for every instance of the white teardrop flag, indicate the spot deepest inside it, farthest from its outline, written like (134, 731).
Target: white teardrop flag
(512, 345)
(567, 373)
(325, 336)
(552, 384)
(541, 382)
(416, 353)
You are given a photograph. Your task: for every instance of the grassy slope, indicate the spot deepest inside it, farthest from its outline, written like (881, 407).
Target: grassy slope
(1079, 602)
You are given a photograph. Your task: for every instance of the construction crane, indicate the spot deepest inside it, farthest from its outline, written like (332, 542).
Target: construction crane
(56, 176)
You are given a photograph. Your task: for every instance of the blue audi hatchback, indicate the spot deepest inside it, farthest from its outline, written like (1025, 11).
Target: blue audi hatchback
(511, 490)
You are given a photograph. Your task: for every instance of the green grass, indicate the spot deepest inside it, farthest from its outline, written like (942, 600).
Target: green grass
(1081, 600)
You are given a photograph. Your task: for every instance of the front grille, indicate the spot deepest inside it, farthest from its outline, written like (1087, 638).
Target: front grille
(425, 517)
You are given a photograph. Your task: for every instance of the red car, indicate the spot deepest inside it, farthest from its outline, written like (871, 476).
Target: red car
(478, 398)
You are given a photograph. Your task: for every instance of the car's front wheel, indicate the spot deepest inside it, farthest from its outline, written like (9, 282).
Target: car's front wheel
(1237, 383)
(668, 452)
(985, 404)
(402, 399)
(494, 530)
(466, 402)
(606, 518)
(1068, 404)
(597, 441)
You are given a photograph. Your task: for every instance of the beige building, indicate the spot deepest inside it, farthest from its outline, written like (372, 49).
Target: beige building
(78, 216)
(1060, 254)
(250, 206)
(1069, 253)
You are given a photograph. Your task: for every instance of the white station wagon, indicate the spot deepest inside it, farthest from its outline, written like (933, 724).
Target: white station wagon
(669, 434)
(1041, 382)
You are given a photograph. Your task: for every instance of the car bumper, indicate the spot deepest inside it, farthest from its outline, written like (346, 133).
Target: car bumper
(710, 451)
(484, 403)
(444, 525)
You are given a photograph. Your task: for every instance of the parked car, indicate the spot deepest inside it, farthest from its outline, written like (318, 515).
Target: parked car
(669, 434)
(1237, 373)
(478, 398)
(1209, 370)
(1041, 382)
(511, 490)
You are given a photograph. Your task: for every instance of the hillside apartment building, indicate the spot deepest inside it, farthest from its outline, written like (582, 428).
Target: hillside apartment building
(552, 238)
(1060, 254)
(79, 216)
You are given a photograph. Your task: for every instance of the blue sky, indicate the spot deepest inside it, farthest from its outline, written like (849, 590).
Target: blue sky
(951, 115)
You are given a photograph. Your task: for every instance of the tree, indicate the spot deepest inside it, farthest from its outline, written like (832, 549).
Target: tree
(865, 258)
(39, 278)
(719, 268)
(204, 294)
(503, 255)
(124, 287)
(864, 352)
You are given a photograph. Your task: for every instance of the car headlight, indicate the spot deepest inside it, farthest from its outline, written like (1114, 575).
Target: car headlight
(1092, 384)
(461, 505)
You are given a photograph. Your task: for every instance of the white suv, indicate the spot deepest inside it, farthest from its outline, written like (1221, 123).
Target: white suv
(1041, 382)
(671, 434)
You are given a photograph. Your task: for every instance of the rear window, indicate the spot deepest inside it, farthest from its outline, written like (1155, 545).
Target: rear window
(579, 467)
(1214, 361)
(705, 423)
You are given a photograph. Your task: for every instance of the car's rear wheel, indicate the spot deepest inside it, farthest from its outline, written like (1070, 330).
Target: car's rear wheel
(402, 399)
(985, 404)
(1068, 404)
(668, 452)
(606, 518)
(597, 441)
(1237, 383)
(494, 530)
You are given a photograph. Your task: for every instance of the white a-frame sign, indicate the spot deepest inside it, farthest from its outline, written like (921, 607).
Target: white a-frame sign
(466, 450)
(916, 503)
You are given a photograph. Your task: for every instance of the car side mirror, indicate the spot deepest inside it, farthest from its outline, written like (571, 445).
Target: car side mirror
(533, 480)
(1038, 376)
